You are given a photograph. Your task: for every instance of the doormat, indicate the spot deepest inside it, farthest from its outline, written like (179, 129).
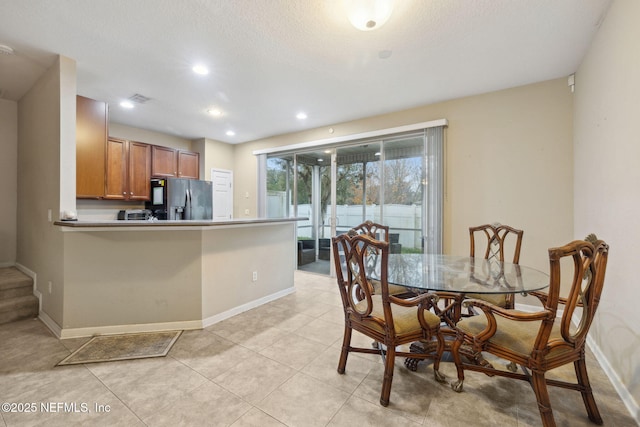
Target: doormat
(109, 348)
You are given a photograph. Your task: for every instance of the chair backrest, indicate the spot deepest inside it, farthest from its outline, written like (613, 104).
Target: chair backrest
(355, 287)
(374, 230)
(495, 236)
(589, 266)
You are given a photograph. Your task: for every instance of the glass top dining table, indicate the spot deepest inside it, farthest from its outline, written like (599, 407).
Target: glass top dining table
(461, 274)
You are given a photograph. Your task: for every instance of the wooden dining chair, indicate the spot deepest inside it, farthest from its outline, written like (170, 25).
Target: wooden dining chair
(539, 341)
(387, 319)
(495, 238)
(379, 232)
(372, 229)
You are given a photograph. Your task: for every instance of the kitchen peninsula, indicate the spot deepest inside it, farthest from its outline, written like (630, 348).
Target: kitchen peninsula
(132, 276)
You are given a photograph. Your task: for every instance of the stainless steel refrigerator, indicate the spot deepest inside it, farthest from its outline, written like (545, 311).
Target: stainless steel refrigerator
(181, 199)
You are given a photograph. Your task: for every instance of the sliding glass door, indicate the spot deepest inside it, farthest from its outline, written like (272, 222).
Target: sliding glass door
(402, 192)
(356, 187)
(385, 180)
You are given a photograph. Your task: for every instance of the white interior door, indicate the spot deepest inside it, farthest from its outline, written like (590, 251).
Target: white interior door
(222, 194)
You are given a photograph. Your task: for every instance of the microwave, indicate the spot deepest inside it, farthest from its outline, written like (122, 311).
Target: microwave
(134, 215)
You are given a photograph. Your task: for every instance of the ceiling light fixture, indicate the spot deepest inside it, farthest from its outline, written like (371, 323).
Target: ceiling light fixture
(230, 133)
(301, 116)
(214, 112)
(126, 104)
(200, 69)
(6, 50)
(367, 15)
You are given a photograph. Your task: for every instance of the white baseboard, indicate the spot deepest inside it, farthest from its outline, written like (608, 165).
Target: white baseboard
(34, 277)
(64, 333)
(129, 329)
(244, 307)
(29, 273)
(49, 322)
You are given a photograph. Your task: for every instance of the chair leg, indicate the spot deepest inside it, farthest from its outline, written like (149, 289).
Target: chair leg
(539, 385)
(587, 394)
(455, 351)
(436, 362)
(346, 343)
(388, 375)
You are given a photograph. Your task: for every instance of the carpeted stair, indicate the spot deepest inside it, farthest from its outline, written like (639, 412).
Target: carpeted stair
(16, 296)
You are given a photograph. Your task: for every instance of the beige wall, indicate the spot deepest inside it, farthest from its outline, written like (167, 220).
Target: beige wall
(607, 200)
(46, 145)
(9, 180)
(230, 256)
(213, 154)
(508, 159)
(118, 130)
(124, 278)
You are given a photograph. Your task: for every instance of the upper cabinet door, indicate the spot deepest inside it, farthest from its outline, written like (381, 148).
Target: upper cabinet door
(116, 181)
(128, 170)
(91, 138)
(139, 171)
(164, 162)
(188, 165)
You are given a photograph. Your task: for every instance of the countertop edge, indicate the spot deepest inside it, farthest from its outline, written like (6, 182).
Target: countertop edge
(194, 224)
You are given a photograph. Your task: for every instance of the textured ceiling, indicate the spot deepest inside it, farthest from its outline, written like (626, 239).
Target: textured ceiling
(270, 59)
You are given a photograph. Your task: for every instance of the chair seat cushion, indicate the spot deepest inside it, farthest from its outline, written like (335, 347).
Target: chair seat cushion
(516, 336)
(405, 319)
(393, 289)
(496, 299)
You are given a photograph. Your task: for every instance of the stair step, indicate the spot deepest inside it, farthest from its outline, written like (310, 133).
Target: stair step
(17, 301)
(14, 283)
(18, 308)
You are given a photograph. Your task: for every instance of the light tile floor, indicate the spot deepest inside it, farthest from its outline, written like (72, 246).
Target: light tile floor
(271, 366)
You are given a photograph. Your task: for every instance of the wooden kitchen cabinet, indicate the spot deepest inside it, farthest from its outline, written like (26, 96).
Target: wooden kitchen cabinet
(171, 163)
(91, 137)
(188, 165)
(139, 171)
(128, 172)
(164, 162)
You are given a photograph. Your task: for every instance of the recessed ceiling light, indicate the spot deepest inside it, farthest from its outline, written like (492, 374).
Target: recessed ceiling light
(126, 104)
(327, 151)
(214, 112)
(301, 115)
(200, 69)
(230, 133)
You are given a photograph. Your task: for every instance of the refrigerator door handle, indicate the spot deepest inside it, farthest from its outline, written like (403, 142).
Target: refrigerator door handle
(187, 205)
